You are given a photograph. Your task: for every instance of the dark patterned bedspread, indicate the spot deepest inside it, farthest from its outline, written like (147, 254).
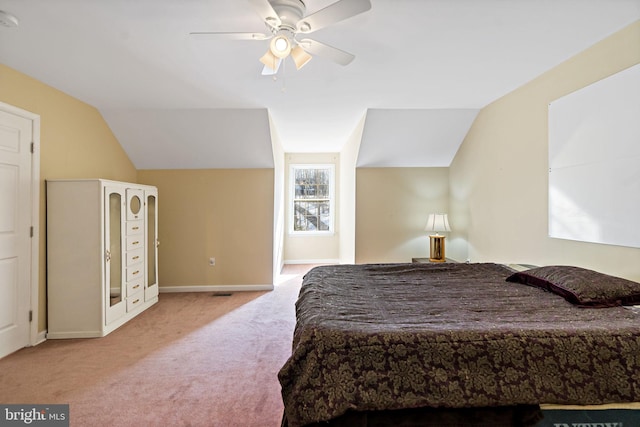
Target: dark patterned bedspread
(391, 336)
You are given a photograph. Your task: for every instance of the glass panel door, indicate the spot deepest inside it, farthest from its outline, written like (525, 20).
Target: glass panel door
(114, 281)
(151, 289)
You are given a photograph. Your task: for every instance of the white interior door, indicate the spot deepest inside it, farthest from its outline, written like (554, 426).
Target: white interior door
(15, 231)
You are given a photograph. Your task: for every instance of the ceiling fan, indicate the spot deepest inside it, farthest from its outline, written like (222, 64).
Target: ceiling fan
(286, 22)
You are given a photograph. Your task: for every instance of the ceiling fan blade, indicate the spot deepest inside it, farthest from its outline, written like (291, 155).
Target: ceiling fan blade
(324, 50)
(229, 36)
(266, 12)
(331, 14)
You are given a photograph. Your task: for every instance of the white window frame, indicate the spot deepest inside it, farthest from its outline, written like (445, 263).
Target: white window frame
(292, 193)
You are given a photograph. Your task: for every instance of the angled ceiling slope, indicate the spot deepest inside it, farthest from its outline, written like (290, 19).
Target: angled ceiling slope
(413, 138)
(193, 138)
(410, 54)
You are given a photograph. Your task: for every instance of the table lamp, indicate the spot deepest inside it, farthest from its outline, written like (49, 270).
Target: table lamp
(437, 223)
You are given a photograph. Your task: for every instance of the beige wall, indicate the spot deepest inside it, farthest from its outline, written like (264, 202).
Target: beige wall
(222, 213)
(305, 248)
(75, 143)
(392, 206)
(499, 175)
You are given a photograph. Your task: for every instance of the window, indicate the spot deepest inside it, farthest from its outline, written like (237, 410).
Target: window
(312, 198)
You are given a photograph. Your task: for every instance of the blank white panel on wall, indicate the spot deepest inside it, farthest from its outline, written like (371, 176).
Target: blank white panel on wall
(594, 162)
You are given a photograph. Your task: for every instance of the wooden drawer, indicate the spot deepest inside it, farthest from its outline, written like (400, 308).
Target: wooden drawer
(135, 301)
(135, 256)
(135, 227)
(135, 273)
(135, 242)
(135, 287)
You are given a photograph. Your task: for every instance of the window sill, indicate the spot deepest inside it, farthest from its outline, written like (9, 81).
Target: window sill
(311, 233)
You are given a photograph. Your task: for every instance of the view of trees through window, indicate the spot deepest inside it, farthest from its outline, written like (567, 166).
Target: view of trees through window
(312, 199)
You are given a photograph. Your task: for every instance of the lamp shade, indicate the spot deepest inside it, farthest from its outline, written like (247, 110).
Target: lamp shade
(437, 222)
(300, 57)
(270, 60)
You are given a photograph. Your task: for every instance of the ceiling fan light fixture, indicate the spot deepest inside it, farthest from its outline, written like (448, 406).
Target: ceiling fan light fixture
(285, 21)
(300, 57)
(280, 46)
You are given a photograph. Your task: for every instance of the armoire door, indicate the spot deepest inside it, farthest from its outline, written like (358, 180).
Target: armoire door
(114, 284)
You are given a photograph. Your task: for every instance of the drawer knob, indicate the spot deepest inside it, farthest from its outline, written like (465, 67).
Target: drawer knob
(136, 286)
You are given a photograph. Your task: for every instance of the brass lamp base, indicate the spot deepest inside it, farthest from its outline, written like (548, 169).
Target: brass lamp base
(436, 245)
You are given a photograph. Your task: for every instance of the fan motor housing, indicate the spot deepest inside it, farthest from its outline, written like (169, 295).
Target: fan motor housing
(289, 12)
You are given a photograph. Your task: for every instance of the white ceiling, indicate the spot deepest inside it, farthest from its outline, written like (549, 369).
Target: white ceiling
(134, 61)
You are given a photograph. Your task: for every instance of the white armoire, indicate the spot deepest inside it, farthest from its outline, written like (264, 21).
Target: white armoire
(102, 269)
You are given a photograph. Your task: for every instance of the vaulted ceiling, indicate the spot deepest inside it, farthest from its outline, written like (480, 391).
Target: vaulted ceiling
(423, 69)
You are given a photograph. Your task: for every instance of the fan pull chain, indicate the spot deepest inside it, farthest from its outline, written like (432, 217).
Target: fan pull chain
(284, 74)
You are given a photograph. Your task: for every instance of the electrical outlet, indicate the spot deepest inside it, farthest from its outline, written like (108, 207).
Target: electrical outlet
(212, 261)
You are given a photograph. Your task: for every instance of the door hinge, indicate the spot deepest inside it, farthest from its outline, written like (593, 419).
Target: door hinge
(30, 316)
(31, 231)
(33, 147)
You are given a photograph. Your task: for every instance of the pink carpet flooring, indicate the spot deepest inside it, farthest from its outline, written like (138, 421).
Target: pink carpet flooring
(193, 359)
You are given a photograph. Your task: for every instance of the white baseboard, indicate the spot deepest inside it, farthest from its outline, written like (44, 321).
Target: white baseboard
(41, 337)
(215, 288)
(312, 261)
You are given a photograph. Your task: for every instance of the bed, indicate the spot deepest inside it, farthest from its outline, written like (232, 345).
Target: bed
(457, 344)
